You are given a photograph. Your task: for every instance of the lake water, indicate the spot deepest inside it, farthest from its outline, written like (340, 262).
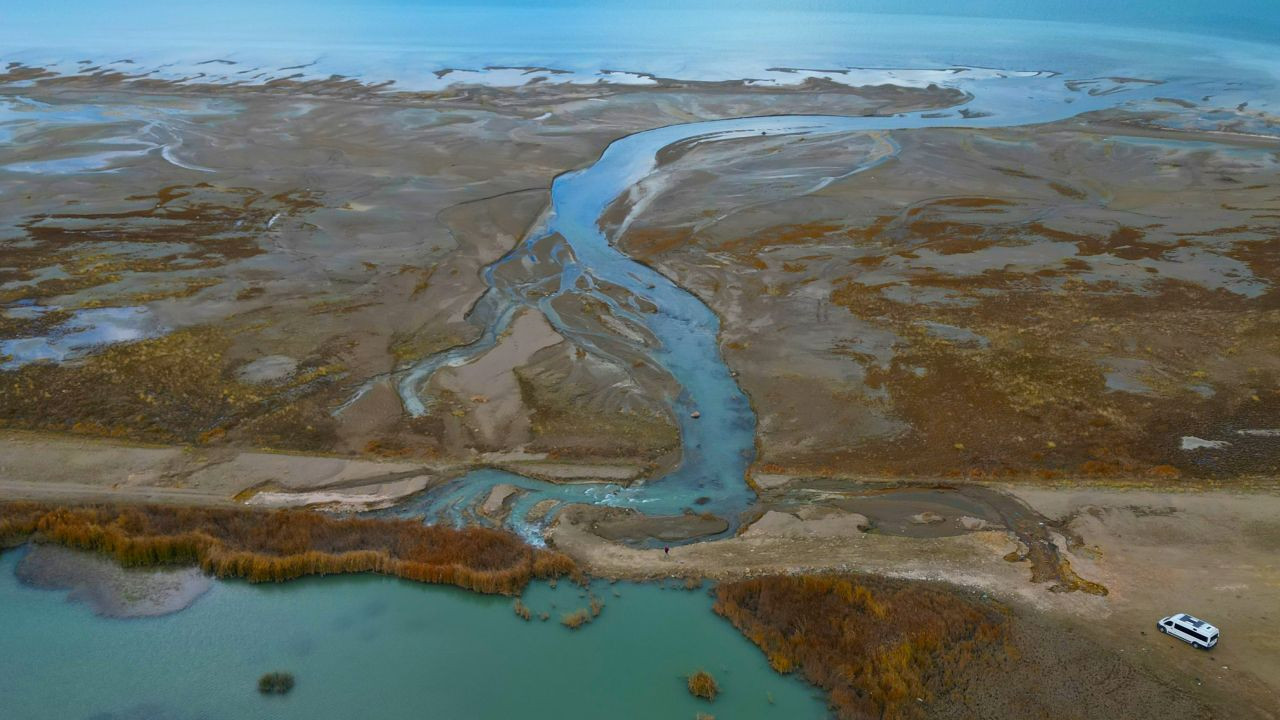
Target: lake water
(373, 647)
(409, 41)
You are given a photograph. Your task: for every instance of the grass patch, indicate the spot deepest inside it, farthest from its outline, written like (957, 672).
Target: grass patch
(564, 427)
(522, 611)
(177, 388)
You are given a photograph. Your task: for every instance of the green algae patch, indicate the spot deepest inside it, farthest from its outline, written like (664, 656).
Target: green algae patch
(275, 683)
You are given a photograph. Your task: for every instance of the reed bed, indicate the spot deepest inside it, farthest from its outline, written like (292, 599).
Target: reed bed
(703, 685)
(874, 644)
(274, 546)
(576, 619)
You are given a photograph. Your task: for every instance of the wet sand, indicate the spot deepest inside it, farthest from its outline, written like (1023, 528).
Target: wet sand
(277, 249)
(320, 259)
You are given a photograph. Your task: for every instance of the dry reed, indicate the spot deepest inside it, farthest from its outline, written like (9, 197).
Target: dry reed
(576, 619)
(876, 645)
(703, 685)
(273, 546)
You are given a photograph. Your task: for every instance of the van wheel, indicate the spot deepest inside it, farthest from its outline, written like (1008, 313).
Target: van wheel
(1163, 629)
(1197, 646)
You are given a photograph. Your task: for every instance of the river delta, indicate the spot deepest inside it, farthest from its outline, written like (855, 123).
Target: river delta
(1002, 317)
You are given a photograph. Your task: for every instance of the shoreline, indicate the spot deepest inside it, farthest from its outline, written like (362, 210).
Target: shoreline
(1052, 626)
(1137, 542)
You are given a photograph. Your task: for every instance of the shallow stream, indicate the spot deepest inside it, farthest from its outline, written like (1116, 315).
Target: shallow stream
(715, 419)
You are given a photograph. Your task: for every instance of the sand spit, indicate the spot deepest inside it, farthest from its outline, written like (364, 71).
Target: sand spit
(351, 499)
(47, 468)
(490, 382)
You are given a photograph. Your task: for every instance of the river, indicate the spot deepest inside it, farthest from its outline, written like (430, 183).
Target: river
(716, 423)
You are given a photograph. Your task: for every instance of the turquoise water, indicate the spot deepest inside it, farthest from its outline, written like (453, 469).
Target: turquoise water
(408, 40)
(372, 647)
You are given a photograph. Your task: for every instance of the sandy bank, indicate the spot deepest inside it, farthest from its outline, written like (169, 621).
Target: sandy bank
(41, 467)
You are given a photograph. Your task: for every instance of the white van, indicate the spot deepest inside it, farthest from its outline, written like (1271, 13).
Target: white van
(1190, 629)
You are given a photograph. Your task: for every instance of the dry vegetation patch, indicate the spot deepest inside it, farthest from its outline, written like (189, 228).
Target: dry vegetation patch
(287, 544)
(874, 644)
(155, 241)
(703, 685)
(175, 388)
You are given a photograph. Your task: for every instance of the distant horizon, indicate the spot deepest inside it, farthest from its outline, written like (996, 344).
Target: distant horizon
(240, 21)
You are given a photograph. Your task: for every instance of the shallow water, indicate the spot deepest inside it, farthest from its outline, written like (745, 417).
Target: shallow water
(494, 40)
(366, 646)
(86, 330)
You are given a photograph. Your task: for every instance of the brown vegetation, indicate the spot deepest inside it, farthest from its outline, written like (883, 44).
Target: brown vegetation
(522, 611)
(576, 619)
(565, 427)
(874, 644)
(286, 544)
(703, 685)
(1040, 375)
(174, 388)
